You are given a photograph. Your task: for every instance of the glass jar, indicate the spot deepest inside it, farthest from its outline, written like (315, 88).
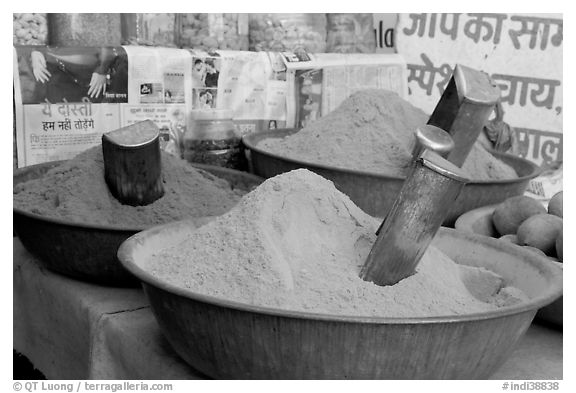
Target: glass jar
(213, 139)
(287, 32)
(84, 29)
(350, 33)
(29, 29)
(213, 31)
(149, 29)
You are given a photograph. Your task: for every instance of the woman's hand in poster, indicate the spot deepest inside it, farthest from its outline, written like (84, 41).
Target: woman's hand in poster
(39, 68)
(97, 85)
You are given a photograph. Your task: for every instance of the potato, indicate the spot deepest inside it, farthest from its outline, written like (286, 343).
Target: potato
(559, 244)
(555, 205)
(535, 250)
(509, 238)
(508, 215)
(540, 231)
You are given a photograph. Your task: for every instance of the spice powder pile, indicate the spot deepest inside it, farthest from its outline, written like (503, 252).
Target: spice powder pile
(76, 191)
(374, 131)
(297, 243)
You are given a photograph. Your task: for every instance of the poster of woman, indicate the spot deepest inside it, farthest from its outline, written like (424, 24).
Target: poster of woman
(78, 74)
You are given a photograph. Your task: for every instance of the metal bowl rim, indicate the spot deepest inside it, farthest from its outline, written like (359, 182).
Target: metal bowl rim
(462, 222)
(248, 142)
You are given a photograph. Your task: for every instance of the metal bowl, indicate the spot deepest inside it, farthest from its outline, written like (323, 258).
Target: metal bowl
(479, 221)
(87, 251)
(375, 193)
(231, 340)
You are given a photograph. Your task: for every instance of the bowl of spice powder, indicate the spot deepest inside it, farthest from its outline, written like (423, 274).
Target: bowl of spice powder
(65, 214)
(365, 147)
(272, 290)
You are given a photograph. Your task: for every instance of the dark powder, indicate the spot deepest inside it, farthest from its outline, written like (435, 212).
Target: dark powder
(373, 131)
(76, 191)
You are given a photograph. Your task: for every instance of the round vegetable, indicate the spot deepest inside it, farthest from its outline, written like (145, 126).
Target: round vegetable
(508, 215)
(555, 205)
(540, 231)
(535, 250)
(509, 238)
(559, 244)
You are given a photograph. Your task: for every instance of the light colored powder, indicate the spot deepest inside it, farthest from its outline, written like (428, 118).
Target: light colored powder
(373, 131)
(77, 191)
(297, 243)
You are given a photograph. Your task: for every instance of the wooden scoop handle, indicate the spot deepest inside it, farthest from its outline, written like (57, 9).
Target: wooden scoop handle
(133, 163)
(464, 108)
(424, 201)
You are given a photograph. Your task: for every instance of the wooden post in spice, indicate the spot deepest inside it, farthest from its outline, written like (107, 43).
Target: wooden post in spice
(423, 203)
(464, 109)
(132, 163)
(432, 138)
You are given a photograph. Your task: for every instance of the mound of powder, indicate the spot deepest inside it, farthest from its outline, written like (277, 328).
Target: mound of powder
(297, 243)
(373, 131)
(76, 191)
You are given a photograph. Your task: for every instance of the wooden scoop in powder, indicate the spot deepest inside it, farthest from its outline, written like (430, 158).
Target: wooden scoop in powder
(132, 163)
(423, 203)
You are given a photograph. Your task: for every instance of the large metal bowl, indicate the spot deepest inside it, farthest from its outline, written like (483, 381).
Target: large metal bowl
(375, 193)
(86, 251)
(231, 340)
(479, 221)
